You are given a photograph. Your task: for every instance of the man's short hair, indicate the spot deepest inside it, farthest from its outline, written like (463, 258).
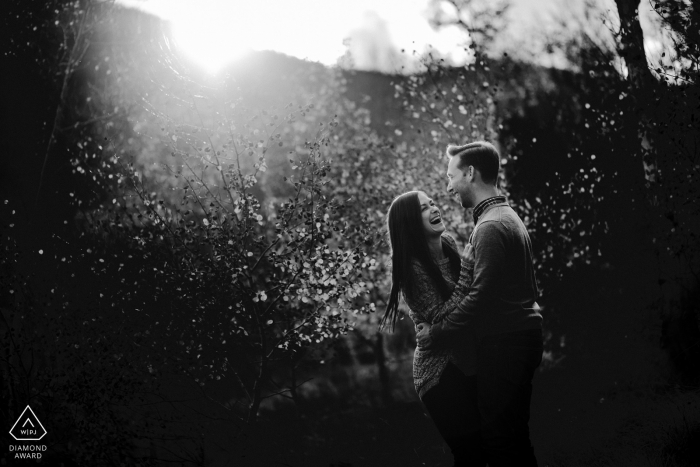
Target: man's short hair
(482, 155)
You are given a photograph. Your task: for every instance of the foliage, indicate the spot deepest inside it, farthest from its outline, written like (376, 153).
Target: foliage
(226, 240)
(242, 288)
(679, 20)
(57, 356)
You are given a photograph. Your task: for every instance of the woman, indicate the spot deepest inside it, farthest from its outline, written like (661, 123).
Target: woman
(432, 277)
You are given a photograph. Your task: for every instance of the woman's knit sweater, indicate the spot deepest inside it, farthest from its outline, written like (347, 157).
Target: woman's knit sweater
(426, 305)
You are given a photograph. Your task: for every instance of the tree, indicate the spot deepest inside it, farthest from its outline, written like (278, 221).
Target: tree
(636, 121)
(669, 147)
(482, 20)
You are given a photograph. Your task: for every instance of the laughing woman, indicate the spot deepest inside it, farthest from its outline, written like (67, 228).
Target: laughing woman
(429, 273)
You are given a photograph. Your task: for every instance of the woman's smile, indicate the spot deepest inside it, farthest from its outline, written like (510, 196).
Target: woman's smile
(432, 220)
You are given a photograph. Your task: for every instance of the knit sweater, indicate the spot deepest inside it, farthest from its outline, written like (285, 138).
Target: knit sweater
(427, 306)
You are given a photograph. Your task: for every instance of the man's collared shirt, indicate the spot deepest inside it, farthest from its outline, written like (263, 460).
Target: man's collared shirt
(481, 207)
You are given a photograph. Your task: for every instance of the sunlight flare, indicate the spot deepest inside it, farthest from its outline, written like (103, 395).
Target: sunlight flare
(213, 34)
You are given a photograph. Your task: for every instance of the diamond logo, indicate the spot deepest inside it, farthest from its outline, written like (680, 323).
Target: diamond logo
(28, 427)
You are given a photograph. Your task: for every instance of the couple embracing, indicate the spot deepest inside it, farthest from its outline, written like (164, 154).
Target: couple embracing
(479, 330)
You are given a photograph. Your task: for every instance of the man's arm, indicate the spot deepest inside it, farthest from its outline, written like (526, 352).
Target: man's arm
(489, 263)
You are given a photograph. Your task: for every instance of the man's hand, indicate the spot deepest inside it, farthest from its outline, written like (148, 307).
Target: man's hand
(423, 340)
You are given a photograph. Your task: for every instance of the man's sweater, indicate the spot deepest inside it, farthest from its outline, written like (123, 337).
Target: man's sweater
(427, 306)
(502, 296)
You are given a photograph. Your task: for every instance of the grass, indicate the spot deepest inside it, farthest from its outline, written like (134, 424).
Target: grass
(661, 430)
(591, 414)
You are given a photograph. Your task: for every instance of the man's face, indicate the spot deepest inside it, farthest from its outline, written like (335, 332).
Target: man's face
(458, 183)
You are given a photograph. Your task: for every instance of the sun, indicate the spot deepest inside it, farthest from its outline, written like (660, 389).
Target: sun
(212, 35)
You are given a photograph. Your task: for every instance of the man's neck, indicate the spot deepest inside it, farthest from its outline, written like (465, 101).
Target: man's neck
(484, 194)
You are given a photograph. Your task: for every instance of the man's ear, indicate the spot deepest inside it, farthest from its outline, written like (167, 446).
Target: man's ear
(476, 175)
(469, 171)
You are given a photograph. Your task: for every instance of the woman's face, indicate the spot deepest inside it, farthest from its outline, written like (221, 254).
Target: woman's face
(430, 214)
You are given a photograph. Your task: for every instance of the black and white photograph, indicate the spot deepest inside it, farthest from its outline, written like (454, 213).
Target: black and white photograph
(350, 233)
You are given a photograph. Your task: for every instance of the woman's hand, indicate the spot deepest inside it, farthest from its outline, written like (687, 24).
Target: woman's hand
(468, 253)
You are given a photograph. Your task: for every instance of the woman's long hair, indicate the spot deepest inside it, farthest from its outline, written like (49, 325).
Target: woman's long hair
(408, 241)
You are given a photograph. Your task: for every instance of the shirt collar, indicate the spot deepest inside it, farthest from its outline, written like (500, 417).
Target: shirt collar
(481, 207)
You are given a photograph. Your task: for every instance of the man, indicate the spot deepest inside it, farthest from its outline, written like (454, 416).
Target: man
(500, 308)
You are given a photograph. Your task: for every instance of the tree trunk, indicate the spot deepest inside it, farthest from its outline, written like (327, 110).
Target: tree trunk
(294, 394)
(631, 46)
(260, 379)
(384, 379)
(257, 393)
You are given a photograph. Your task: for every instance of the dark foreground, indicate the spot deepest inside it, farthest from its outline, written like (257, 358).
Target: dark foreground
(573, 424)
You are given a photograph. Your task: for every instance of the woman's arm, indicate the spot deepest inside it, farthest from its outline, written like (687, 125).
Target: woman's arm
(438, 310)
(426, 301)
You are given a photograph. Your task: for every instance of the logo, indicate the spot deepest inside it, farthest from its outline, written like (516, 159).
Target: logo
(28, 427)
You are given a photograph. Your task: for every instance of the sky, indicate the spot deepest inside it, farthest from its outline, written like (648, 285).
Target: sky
(215, 32)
